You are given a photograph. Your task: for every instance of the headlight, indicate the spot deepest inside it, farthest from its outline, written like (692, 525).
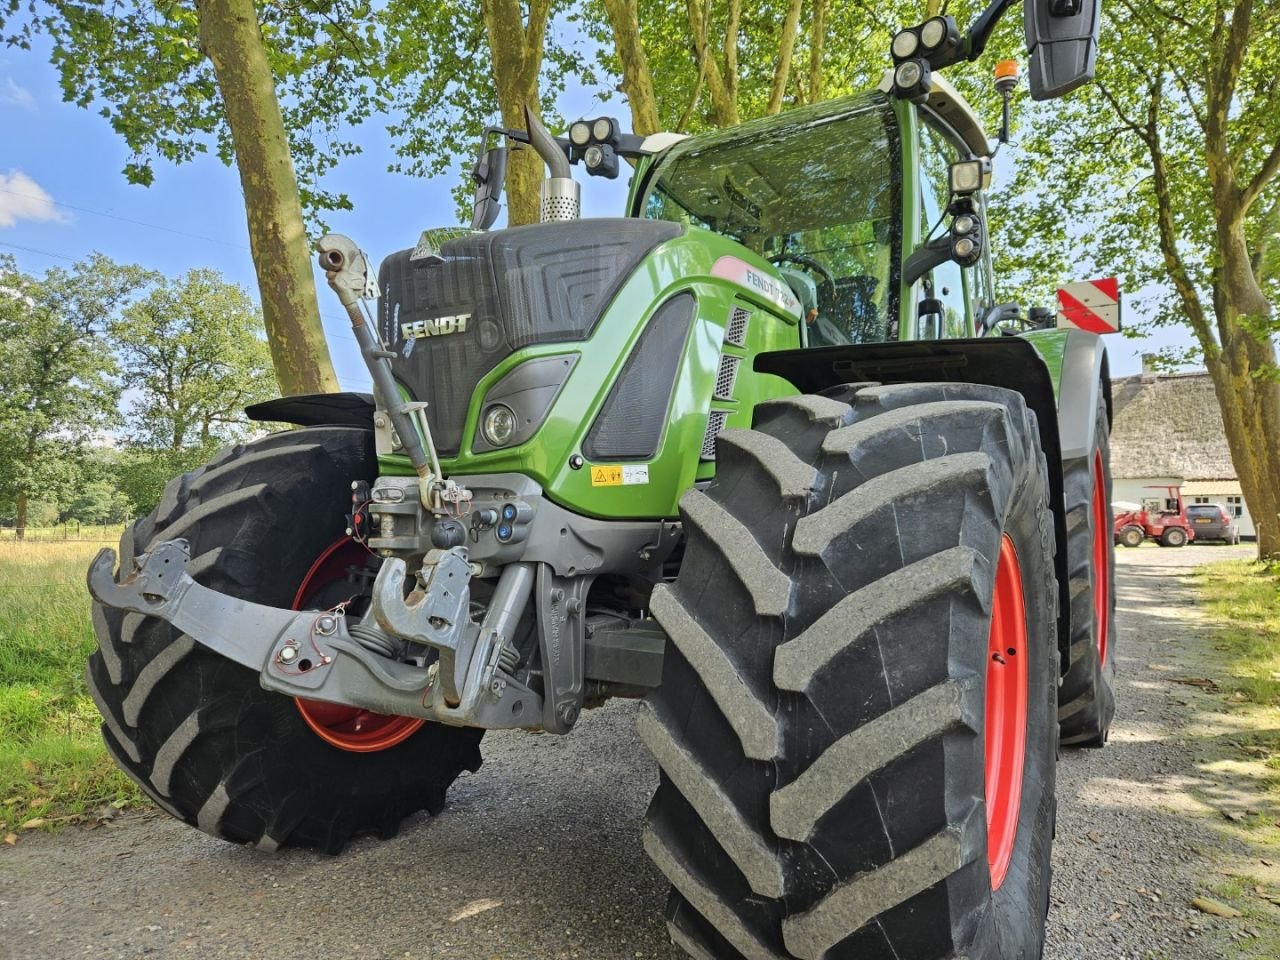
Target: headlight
(907, 75)
(933, 32)
(593, 157)
(963, 224)
(905, 44)
(580, 133)
(602, 129)
(963, 248)
(499, 424)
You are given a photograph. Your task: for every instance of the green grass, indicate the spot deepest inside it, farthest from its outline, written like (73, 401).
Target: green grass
(52, 762)
(1241, 751)
(1243, 598)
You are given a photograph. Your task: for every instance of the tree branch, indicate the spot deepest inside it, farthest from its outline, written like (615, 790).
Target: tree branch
(1119, 112)
(1173, 261)
(1266, 173)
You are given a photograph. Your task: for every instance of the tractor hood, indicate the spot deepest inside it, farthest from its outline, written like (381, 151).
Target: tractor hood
(452, 317)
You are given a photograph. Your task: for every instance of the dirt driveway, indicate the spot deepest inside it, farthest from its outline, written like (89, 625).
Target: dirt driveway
(539, 857)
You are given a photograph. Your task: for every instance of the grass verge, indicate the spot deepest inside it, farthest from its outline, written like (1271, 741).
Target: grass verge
(53, 767)
(1242, 599)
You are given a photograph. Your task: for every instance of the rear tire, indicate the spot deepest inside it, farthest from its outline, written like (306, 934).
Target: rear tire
(1132, 536)
(1086, 699)
(1174, 537)
(196, 730)
(820, 724)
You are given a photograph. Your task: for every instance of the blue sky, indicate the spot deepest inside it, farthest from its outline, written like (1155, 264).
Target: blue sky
(62, 196)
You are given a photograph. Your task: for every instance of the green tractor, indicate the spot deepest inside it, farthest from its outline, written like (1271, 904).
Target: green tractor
(766, 452)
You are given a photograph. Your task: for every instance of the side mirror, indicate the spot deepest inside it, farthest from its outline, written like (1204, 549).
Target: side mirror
(929, 315)
(489, 174)
(1062, 44)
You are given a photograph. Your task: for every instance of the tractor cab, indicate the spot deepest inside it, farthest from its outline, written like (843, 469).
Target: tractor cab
(836, 196)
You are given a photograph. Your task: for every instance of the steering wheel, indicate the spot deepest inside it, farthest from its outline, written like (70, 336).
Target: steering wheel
(822, 331)
(827, 284)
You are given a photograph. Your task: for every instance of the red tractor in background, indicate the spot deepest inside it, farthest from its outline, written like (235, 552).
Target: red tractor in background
(1168, 526)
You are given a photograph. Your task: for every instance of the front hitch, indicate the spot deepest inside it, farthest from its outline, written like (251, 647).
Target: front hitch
(312, 653)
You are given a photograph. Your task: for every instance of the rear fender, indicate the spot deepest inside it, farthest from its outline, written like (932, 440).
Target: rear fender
(1085, 372)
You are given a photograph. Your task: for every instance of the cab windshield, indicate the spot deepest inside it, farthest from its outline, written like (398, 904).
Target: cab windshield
(818, 195)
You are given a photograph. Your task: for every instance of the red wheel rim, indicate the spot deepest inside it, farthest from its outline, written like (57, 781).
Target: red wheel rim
(1006, 719)
(1101, 559)
(339, 725)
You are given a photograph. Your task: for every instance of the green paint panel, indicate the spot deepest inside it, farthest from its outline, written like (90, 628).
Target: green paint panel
(678, 266)
(1052, 346)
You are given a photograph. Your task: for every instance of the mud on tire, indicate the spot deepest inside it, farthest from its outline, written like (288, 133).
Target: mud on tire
(820, 722)
(197, 731)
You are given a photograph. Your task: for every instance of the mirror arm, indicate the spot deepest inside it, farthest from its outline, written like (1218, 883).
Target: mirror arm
(923, 259)
(980, 30)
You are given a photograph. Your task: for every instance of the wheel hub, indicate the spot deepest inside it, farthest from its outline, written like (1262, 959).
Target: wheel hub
(1006, 712)
(348, 728)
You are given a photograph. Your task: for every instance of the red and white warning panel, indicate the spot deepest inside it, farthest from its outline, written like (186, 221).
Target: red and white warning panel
(1092, 305)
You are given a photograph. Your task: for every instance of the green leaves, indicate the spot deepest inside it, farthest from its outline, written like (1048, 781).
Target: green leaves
(192, 355)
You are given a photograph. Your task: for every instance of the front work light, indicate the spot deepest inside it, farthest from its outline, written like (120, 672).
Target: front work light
(905, 44)
(970, 176)
(933, 33)
(602, 130)
(580, 133)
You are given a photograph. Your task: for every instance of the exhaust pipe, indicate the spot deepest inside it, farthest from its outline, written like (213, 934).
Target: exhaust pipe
(561, 194)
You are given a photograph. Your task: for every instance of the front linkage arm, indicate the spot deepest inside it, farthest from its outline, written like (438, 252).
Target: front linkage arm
(312, 653)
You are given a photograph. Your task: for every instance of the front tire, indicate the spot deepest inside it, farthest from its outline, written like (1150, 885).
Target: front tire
(1132, 536)
(831, 695)
(196, 730)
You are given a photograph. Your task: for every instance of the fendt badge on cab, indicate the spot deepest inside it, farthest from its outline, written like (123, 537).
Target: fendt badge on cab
(438, 327)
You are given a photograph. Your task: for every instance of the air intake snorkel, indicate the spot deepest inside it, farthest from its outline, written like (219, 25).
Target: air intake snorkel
(561, 194)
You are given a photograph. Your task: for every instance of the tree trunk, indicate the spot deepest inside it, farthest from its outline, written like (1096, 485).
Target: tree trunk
(20, 521)
(231, 39)
(637, 81)
(724, 103)
(786, 46)
(515, 50)
(1251, 415)
(817, 46)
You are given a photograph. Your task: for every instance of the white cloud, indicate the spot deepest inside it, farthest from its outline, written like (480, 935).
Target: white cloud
(21, 198)
(16, 95)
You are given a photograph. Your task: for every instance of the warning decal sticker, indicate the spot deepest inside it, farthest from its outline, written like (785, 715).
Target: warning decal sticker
(619, 476)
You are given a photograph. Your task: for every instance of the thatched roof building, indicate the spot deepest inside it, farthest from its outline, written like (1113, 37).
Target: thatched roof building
(1168, 426)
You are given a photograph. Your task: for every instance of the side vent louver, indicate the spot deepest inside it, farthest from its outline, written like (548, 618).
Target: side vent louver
(715, 423)
(736, 331)
(726, 377)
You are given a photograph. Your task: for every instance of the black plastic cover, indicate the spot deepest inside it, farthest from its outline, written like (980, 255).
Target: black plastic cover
(629, 425)
(317, 410)
(495, 293)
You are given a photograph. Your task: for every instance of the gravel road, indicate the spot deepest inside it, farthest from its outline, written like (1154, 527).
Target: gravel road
(539, 857)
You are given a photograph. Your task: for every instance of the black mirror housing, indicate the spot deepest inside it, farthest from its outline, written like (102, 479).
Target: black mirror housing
(490, 175)
(1062, 44)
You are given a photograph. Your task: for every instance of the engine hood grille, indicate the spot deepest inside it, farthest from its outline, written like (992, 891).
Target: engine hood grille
(449, 323)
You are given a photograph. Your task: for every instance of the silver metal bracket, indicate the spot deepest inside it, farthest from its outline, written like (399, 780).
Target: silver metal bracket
(561, 639)
(310, 653)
